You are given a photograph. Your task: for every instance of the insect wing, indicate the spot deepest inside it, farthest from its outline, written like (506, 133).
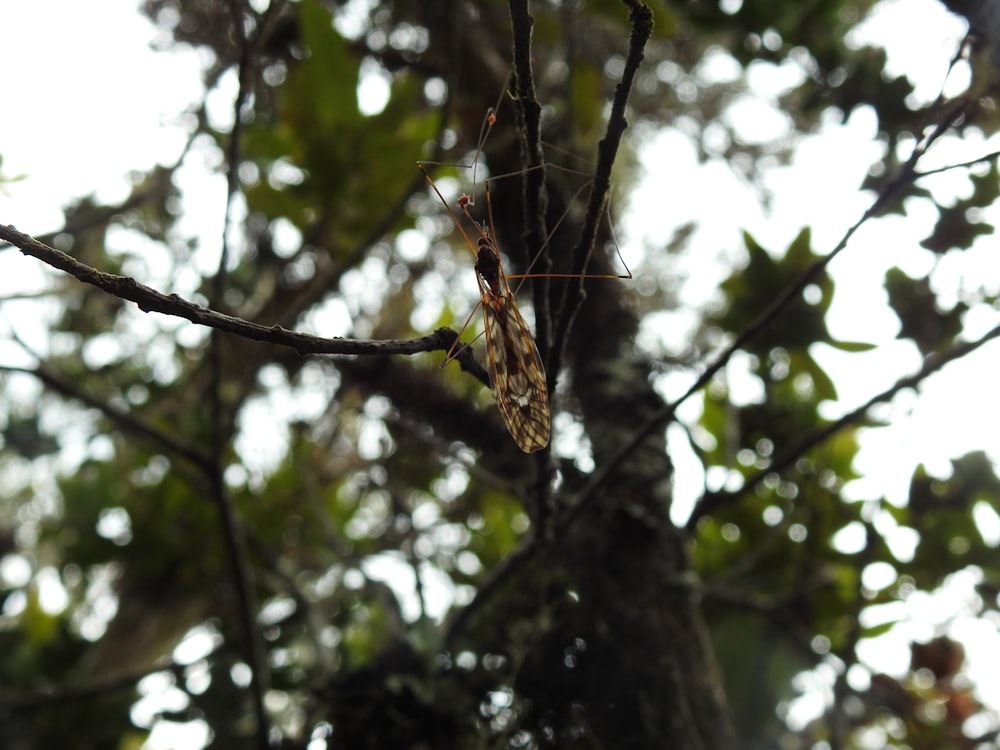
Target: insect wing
(515, 366)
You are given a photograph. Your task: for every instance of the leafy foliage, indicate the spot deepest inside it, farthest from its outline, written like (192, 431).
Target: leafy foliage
(348, 549)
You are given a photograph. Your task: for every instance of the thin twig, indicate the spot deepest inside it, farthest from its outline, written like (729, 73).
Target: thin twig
(535, 208)
(641, 18)
(230, 525)
(535, 196)
(713, 501)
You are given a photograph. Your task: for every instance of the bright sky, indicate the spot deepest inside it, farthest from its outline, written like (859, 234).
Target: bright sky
(96, 102)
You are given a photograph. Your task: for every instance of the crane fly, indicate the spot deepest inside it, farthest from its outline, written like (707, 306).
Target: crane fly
(516, 370)
(515, 366)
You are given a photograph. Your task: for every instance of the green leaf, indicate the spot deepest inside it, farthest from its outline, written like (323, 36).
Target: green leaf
(958, 226)
(916, 306)
(851, 346)
(764, 279)
(876, 630)
(23, 436)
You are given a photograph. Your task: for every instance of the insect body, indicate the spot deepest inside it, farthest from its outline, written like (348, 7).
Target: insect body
(515, 366)
(516, 370)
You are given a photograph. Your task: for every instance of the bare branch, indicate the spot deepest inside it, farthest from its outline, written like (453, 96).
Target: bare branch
(150, 300)
(641, 18)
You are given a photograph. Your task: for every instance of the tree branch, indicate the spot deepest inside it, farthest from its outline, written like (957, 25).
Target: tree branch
(230, 524)
(150, 300)
(641, 18)
(535, 203)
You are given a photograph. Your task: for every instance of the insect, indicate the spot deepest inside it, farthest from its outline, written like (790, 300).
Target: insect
(516, 370)
(514, 363)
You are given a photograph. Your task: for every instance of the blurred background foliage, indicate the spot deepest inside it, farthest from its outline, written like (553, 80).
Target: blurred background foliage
(378, 515)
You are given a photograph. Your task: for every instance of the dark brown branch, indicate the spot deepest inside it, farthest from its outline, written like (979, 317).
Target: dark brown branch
(150, 300)
(533, 163)
(641, 18)
(230, 525)
(535, 207)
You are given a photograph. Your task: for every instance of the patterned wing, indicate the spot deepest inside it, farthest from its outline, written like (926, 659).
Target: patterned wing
(515, 366)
